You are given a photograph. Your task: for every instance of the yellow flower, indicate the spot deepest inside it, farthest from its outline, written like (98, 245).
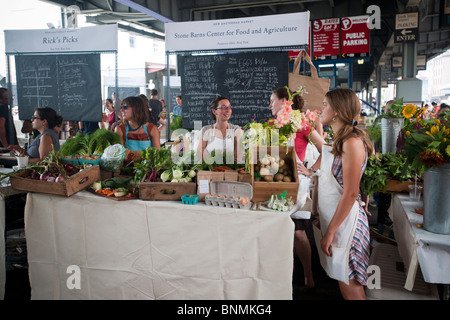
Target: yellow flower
(445, 139)
(407, 133)
(437, 121)
(447, 132)
(433, 130)
(409, 110)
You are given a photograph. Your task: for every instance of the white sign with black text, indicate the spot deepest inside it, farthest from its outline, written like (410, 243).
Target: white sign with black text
(96, 38)
(252, 32)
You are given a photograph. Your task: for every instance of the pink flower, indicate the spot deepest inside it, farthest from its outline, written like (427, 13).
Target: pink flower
(284, 115)
(311, 115)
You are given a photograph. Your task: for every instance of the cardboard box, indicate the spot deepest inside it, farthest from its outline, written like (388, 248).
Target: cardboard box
(71, 185)
(262, 190)
(205, 177)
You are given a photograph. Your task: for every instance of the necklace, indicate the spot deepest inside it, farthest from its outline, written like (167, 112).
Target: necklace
(133, 129)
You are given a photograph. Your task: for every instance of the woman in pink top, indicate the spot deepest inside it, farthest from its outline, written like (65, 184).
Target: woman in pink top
(302, 246)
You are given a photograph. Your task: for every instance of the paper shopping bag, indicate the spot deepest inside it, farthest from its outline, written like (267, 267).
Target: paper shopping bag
(315, 87)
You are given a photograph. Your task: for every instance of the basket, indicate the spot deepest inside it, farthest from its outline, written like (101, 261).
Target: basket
(190, 198)
(81, 161)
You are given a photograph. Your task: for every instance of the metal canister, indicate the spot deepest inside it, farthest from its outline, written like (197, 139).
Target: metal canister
(390, 128)
(436, 200)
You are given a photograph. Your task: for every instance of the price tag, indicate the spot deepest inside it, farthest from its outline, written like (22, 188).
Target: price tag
(203, 186)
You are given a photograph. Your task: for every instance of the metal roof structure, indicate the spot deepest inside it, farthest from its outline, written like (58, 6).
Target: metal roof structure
(148, 17)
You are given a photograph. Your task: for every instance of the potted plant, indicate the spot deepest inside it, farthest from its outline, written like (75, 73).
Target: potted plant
(427, 146)
(391, 123)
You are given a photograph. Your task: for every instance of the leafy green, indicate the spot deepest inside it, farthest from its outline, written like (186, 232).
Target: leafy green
(153, 161)
(374, 132)
(395, 110)
(384, 167)
(94, 143)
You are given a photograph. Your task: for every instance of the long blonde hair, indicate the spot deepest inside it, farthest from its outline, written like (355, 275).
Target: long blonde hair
(347, 106)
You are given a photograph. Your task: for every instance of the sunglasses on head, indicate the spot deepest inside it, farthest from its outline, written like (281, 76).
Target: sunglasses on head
(124, 107)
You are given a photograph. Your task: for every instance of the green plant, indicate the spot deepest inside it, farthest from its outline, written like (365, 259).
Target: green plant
(94, 143)
(374, 132)
(176, 123)
(394, 110)
(383, 167)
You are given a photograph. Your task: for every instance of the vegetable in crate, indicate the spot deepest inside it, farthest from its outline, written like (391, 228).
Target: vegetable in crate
(51, 169)
(153, 161)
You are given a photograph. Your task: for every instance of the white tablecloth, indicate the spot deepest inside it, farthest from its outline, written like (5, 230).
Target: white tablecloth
(418, 246)
(155, 250)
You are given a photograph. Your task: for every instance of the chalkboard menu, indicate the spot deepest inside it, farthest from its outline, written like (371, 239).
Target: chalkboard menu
(247, 79)
(70, 84)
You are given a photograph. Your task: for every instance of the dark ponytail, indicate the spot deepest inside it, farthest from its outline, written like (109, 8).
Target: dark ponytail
(297, 100)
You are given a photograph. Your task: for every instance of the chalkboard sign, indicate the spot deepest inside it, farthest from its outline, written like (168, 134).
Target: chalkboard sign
(70, 84)
(247, 79)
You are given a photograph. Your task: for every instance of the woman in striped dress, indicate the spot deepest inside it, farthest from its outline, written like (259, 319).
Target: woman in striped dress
(343, 221)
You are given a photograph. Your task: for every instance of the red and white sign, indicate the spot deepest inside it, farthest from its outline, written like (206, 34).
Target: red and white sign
(326, 41)
(355, 36)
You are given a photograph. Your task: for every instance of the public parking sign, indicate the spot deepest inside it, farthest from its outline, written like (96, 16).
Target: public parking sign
(406, 27)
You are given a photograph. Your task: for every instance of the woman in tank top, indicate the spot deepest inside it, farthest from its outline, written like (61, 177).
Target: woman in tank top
(43, 120)
(222, 135)
(135, 131)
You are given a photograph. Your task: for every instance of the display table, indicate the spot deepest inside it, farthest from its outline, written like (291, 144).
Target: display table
(418, 246)
(138, 249)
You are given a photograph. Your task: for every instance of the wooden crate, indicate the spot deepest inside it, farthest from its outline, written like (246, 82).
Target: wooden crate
(401, 187)
(68, 187)
(165, 190)
(262, 190)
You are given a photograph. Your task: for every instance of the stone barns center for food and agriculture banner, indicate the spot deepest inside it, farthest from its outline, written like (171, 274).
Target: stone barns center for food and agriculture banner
(282, 30)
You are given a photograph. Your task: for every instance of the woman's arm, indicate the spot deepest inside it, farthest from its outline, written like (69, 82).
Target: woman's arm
(202, 143)
(45, 146)
(318, 141)
(352, 160)
(155, 137)
(119, 131)
(238, 151)
(318, 126)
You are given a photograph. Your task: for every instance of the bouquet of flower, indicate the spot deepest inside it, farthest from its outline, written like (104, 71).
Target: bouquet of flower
(276, 131)
(424, 141)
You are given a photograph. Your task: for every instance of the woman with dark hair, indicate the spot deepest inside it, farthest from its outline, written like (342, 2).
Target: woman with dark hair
(44, 120)
(221, 135)
(343, 238)
(135, 131)
(302, 247)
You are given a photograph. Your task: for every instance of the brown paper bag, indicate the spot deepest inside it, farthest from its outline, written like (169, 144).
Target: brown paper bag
(315, 87)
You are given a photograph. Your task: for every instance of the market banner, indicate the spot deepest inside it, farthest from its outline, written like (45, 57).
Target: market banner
(355, 37)
(326, 38)
(252, 32)
(87, 39)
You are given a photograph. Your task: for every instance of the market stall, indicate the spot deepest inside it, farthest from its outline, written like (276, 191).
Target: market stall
(155, 250)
